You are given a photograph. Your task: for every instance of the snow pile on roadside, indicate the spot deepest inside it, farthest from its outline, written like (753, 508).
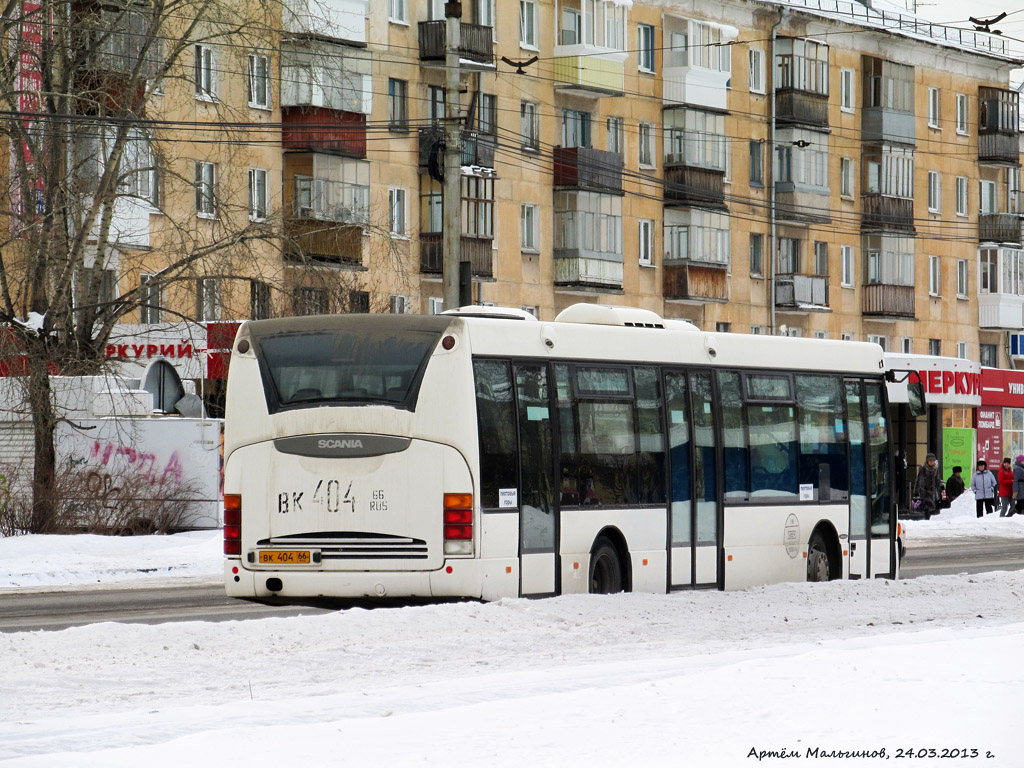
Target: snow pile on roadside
(961, 520)
(49, 561)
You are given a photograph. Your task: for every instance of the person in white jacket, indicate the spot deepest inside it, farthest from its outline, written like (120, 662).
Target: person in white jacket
(984, 486)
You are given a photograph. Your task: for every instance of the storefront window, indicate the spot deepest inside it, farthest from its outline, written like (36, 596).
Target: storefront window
(1013, 431)
(959, 418)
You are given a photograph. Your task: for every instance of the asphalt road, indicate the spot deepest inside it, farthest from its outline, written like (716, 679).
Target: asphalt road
(36, 610)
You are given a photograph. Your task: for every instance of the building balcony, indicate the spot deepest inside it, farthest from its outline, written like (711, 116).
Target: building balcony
(476, 44)
(323, 241)
(586, 269)
(586, 168)
(690, 281)
(1000, 311)
(887, 213)
(694, 86)
(690, 185)
(802, 293)
(888, 300)
(320, 128)
(589, 70)
(879, 124)
(477, 148)
(999, 228)
(800, 206)
(478, 251)
(801, 108)
(999, 149)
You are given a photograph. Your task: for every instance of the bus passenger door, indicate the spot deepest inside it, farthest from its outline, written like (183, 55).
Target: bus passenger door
(882, 510)
(693, 504)
(859, 549)
(537, 520)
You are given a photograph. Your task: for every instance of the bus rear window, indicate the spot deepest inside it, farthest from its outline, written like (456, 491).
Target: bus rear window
(343, 366)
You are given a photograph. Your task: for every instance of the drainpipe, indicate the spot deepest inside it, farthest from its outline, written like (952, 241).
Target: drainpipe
(773, 242)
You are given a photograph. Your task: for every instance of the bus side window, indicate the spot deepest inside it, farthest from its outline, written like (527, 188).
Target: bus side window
(737, 484)
(823, 457)
(650, 458)
(569, 480)
(496, 419)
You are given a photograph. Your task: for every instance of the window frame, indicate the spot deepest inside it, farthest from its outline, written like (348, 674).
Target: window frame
(934, 192)
(645, 234)
(847, 90)
(529, 125)
(647, 145)
(529, 228)
(259, 209)
(204, 73)
(402, 15)
(645, 48)
(398, 104)
(398, 211)
(528, 37)
(962, 278)
(963, 193)
(755, 71)
(962, 115)
(934, 109)
(255, 82)
(934, 276)
(847, 266)
(206, 189)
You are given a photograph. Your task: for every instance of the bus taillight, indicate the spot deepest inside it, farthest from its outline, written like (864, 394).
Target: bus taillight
(458, 523)
(232, 524)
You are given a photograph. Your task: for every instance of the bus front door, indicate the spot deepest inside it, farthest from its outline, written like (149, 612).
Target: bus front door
(537, 520)
(693, 510)
(859, 549)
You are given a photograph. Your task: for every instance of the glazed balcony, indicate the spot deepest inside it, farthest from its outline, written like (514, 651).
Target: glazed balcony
(690, 185)
(689, 281)
(476, 44)
(478, 251)
(477, 148)
(1001, 311)
(998, 126)
(320, 128)
(887, 213)
(880, 300)
(806, 293)
(999, 228)
(586, 168)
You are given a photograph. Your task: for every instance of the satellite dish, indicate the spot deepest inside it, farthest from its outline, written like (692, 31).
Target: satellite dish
(162, 381)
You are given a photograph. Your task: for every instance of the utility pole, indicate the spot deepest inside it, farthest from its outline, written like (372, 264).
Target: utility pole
(452, 184)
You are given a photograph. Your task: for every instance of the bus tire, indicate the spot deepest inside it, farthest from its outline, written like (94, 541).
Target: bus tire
(605, 569)
(818, 565)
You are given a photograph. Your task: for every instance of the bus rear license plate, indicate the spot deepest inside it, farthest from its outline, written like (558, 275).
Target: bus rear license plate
(285, 557)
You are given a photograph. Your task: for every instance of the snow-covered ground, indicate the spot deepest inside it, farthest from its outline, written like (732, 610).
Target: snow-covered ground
(693, 678)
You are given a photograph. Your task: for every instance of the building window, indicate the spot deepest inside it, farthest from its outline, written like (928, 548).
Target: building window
(614, 135)
(206, 185)
(889, 171)
(575, 128)
(435, 103)
(961, 113)
(933, 108)
(311, 301)
(259, 81)
(988, 271)
(820, 258)
(207, 298)
(645, 47)
(397, 11)
(987, 193)
(723, 327)
(528, 225)
(487, 113)
(961, 350)
(397, 211)
(257, 194)
(888, 260)
(989, 355)
(847, 92)
(528, 24)
(702, 237)
(846, 176)
(398, 104)
(485, 13)
(888, 85)
(846, 336)
(478, 206)
(934, 191)
(149, 299)
(847, 259)
(398, 304)
(935, 347)
(529, 124)
(961, 196)
(881, 341)
(803, 159)
(934, 276)
(695, 137)
(758, 330)
(821, 334)
(756, 70)
(1013, 190)
(647, 145)
(704, 47)
(801, 65)
(359, 302)
(757, 254)
(788, 256)
(259, 300)
(757, 163)
(646, 243)
(205, 81)
(907, 345)
(961, 278)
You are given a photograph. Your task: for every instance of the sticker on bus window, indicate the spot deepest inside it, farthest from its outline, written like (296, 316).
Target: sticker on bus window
(507, 498)
(536, 413)
(806, 492)
(678, 417)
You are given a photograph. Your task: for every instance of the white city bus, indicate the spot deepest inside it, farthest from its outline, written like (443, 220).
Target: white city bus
(484, 454)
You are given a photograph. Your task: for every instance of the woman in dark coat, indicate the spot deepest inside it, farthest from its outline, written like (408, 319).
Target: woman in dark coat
(1018, 487)
(928, 487)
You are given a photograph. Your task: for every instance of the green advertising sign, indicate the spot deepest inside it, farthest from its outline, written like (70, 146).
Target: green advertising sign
(958, 450)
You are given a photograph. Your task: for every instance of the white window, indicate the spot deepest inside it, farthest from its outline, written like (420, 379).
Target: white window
(259, 81)
(820, 258)
(961, 196)
(1013, 190)
(645, 47)
(934, 191)
(847, 93)
(528, 225)
(846, 177)
(961, 278)
(846, 336)
(528, 24)
(706, 49)
(961, 350)
(396, 211)
(435, 305)
(987, 191)
(756, 73)
(933, 108)
(205, 82)
(149, 299)
(206, 186)
(529, 124)
(758, 330)
(646, 243)
(934, 276)
(961, 113)
(881, 341)
(614, 135)
(756, 254)
(485, 13)
(907, 345)
(207, 298)
(257, 194)
(821, 334)
(397, 11)
(647, 145)
(398, 305)
(532, 309)
(846, 255)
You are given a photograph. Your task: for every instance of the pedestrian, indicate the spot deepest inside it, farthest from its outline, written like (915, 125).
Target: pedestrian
(955, 484)
(1005, 486)
(928, 486)
(1018, 486)
(984, 486)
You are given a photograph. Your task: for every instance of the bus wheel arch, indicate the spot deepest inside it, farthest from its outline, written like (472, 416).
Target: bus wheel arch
(824, 554)
(609, 570)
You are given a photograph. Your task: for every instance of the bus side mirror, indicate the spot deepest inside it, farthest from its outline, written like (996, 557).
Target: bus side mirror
(915, 398)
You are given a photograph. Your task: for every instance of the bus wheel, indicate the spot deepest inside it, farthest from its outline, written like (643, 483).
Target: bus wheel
(818, 567)
(605, 569)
